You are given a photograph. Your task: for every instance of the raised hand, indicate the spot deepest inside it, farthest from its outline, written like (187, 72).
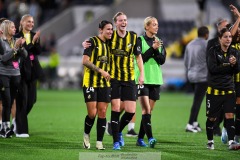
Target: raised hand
(157, 43)
(234, 10)
(36, 37)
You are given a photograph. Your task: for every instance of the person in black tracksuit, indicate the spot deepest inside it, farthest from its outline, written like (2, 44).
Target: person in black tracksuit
(222, 62)
(30, 72)
(211, 43)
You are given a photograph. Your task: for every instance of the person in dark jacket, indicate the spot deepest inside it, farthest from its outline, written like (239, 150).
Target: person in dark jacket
(235, 30)
(31, 71)
(222, 62)
(211, 43)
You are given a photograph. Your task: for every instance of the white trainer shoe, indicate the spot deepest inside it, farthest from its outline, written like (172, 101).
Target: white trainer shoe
(234, 146)
(197, 127)
(24, 135)
(190, 128)
(99, 145)
(210, 145)
(86, 141)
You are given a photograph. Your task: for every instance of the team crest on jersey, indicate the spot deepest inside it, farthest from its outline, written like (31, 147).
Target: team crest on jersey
(129, 45)
(89, 96)
(226, 64)
(119, 52)
(103, 59)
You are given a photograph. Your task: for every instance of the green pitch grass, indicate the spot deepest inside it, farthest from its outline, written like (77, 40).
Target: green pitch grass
(56, 131)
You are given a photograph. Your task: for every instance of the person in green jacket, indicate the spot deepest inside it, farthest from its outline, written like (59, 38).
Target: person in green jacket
(153, 55)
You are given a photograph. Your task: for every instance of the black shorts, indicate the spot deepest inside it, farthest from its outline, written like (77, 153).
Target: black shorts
(152, 91)
(92, 94)
(124, 90)
(215, 103)
(237, 89)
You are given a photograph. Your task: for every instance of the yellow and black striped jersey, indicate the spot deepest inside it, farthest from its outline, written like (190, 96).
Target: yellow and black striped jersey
(99, 53)
(122, 59)
(236, 76)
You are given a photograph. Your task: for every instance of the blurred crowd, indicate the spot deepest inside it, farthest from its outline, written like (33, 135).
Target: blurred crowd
(41, 10)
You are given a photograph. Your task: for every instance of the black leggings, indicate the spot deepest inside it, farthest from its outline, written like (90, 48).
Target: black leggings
(9, 87)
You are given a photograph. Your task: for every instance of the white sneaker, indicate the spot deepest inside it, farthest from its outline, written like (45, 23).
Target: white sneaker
(197, 127)
(234, 146)
(99, 145)
(86, 141)
(224, 136)
(210, 145)
(24, 135)
(190, 128)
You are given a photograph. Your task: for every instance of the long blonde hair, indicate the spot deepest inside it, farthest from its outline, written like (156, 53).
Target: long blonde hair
(24, 17)
(5, 26)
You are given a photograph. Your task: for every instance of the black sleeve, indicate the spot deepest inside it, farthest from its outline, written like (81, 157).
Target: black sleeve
(148, 54)
(34, 48)
(160, 57)
(88, 51)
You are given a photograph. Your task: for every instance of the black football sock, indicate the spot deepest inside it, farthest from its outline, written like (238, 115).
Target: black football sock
(209, 129)
(141, 131)
(88, 124)
(115, 125)
(230, 128)
(146, 119)
(237, 120)
(126, 118)
(101, 126)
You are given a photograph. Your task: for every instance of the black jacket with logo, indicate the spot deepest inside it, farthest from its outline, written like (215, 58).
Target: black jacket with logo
(220, 72)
